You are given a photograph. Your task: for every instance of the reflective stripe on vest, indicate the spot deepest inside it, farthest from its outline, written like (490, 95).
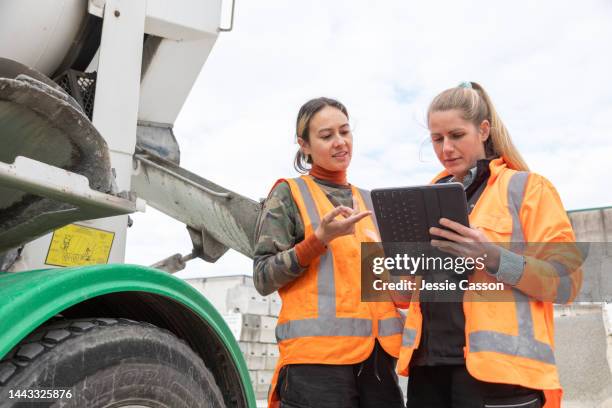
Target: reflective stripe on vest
(564, 289)
(390, 326)
(524, 344)
(409, 337)
(367, 199)
(393, 325)
(326, 324)
(516, 192)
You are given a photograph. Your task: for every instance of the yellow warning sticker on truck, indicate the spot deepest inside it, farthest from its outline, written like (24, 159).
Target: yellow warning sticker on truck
(76, 245)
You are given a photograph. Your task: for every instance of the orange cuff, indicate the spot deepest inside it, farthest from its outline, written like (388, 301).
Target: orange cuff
(309, 249)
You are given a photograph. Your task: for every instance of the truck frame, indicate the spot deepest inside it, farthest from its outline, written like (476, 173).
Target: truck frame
(89, 93)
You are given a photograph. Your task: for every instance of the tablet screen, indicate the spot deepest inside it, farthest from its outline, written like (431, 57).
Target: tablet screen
(405, 214)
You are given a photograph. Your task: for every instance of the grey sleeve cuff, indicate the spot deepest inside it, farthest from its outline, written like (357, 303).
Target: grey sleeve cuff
(511, 267)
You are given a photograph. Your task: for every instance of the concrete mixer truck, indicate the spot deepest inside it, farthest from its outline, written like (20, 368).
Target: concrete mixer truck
(89, 93)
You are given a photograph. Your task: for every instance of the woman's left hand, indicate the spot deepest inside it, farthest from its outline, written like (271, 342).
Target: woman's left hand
(465, 242)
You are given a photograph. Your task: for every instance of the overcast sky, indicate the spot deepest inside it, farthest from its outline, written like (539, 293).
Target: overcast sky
(545, 64)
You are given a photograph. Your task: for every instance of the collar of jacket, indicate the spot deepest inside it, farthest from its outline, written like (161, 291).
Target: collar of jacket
(496, 166)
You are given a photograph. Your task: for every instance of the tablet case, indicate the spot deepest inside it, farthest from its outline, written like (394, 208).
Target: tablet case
(405, 214)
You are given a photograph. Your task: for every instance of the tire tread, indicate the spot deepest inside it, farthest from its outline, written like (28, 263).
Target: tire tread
(48, 337)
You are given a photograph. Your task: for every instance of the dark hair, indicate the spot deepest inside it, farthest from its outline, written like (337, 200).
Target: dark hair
(302, 126)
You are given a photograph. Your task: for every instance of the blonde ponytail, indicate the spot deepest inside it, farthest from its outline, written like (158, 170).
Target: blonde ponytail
(471, 99)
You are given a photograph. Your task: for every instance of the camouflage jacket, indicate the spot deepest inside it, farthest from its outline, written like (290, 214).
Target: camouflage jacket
(279, 229)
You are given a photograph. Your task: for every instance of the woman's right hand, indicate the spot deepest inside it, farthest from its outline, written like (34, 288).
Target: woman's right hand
(332, 227)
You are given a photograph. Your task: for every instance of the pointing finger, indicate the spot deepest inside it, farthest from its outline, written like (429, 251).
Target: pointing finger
(332, 214)
(355, 218)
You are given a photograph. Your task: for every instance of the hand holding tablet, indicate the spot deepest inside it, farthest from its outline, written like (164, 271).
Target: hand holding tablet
(406, 214)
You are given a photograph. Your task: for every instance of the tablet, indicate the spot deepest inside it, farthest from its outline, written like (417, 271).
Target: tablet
(405, 214)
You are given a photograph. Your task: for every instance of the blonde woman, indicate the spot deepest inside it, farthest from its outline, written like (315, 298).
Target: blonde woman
(490, 353)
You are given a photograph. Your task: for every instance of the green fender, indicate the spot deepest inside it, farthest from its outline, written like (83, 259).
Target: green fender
(28, 299)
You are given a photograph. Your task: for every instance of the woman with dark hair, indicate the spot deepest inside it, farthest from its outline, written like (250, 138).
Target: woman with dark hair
(335, 351)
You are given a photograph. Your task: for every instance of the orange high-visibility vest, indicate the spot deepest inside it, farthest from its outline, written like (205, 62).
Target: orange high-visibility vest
(512, 342)
(322, 319)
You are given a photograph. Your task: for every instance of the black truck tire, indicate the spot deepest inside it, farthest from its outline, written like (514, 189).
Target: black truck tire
(106, 363)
